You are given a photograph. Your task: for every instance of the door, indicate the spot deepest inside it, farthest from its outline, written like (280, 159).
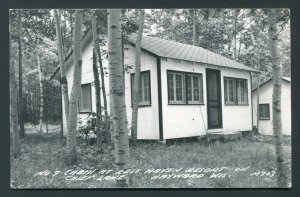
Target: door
(214, 102)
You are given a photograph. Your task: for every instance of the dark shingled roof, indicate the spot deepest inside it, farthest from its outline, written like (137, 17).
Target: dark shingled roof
(176, 50)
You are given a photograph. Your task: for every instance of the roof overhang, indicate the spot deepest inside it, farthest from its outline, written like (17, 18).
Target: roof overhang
(283, 78)
(85, 41)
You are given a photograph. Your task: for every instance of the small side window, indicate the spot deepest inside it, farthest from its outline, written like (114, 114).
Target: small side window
(264, 111)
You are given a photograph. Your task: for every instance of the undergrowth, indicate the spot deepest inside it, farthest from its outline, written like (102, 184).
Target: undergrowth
(42, 152)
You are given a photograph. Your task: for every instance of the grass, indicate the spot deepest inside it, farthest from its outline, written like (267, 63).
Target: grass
(42, 152)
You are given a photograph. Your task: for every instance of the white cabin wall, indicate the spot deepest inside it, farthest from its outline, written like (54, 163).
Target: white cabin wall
(87, 77)
(286, 107)
(148, 125)
(265, 97)
(191, 120)
(148, 122)
(236, 117)
(182, 120)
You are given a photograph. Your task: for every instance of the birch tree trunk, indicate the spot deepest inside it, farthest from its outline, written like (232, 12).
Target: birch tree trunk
(63, 78)
(194, 27)
(21, 108)
(135, 104)
(41, 88)
(75, 92)
(277, 74)
(97, 80)
(117, 92)
(234, 33)
(14, 111)
(13, 102)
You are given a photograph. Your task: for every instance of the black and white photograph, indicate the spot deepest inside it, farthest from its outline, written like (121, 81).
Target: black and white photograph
(150, 98)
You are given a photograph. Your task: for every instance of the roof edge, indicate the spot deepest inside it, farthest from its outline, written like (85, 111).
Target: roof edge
(283, 78)
(84, 41)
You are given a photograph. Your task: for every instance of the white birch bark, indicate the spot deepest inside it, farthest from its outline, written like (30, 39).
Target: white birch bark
(75, 92)
(276, 99)
(117, 92)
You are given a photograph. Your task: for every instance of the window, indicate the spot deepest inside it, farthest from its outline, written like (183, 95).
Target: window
(235, 91)
(185, 88)
(85, 101)
(144, 88)
(264, 111)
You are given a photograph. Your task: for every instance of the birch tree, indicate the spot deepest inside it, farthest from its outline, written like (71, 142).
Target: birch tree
(194, 27)
(21, 108)
(235, 18)
(40, 87)
(75, 92)
(136, 83)
(276, 99)
(117, 92)
(13, 100)
(63, 78)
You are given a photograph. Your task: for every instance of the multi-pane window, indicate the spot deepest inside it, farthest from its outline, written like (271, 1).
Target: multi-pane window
(144, 88)
(176, 87)
(185, 88)
(235, 91)
(85, 102)
(264, 111)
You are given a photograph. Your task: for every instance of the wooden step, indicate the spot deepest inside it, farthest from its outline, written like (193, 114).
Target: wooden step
(227, 136)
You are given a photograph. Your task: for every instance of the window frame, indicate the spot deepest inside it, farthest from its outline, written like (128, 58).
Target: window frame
(185, 100)
(145, 103)
(80, 110)
(235, 101)
(260, 107)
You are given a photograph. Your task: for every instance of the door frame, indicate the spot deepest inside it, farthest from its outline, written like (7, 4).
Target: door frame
(218, 72)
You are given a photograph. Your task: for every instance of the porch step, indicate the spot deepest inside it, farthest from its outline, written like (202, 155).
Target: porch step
(226, 136)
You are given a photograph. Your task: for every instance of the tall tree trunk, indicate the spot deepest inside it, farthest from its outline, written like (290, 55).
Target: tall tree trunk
(41, 88)
(21, 108)
(61, 112)
(103, 91)
(239, 51)
(75, 92)
(13, 102)
(65, 34)
(277, 74)
(234, 34)
(257, 103)
(102, 81)
(96, 80)
(98, 100)
(63, 78)
(194, 27)
(117, 92)
(135, 103)
(71, 24)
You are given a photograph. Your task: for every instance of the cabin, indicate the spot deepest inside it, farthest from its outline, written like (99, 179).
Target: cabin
(185, 90)
(265, 107)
